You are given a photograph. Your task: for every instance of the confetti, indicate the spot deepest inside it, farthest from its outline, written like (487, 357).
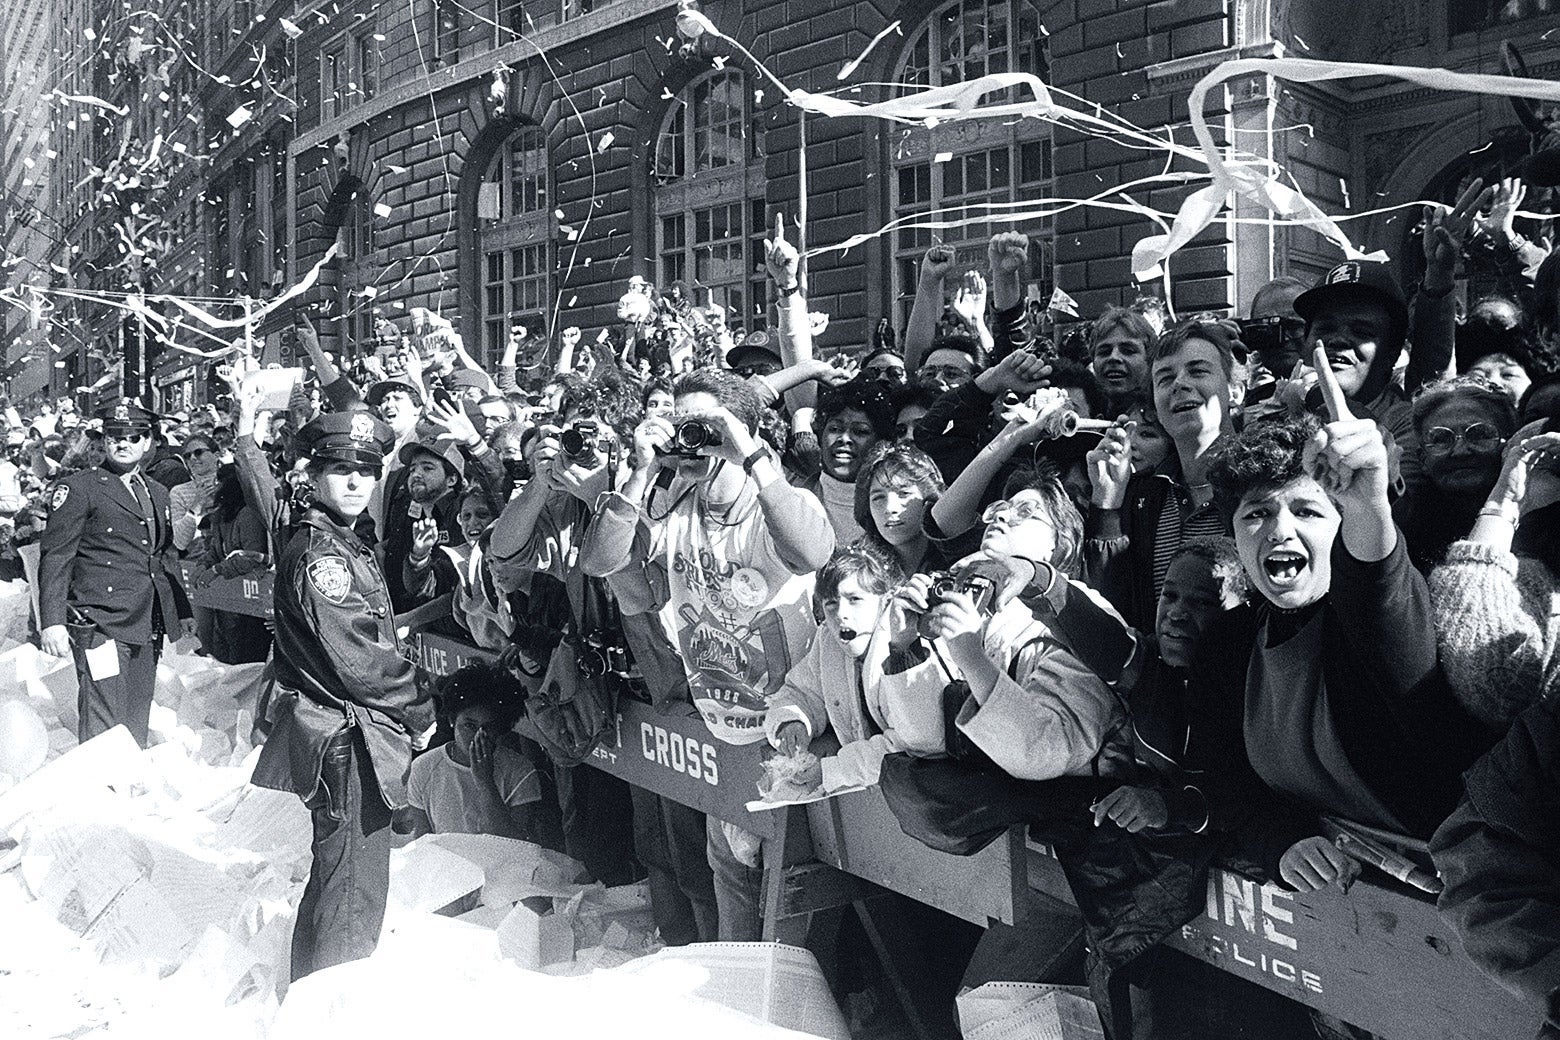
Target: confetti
(239, 116)
(606, 141)
(381, 209)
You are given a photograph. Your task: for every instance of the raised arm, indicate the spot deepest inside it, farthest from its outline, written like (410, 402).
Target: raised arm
(936, 265)
(795, 327)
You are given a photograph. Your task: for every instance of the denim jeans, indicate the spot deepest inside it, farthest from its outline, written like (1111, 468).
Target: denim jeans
(739, 890)
(670, 840)
(344, 902)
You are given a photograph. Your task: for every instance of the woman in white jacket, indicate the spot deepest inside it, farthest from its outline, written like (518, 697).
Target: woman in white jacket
(997, 683)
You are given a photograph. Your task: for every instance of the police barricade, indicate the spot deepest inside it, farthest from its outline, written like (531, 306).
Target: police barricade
(1378, 957)
(672, 755)
(250, 594)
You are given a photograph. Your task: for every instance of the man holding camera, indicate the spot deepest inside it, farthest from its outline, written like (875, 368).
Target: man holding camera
(706, 503)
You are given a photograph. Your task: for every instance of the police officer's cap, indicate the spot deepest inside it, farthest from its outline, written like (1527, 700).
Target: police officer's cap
(127, 415)
(354, 437)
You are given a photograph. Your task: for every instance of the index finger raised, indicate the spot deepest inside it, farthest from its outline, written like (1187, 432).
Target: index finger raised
(779, 226)
(1332, 393)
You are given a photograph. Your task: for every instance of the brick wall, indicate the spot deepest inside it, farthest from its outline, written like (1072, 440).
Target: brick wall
(1102, 50)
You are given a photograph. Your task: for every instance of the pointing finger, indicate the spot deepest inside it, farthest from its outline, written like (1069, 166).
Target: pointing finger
(1332, 393)
(779, 226)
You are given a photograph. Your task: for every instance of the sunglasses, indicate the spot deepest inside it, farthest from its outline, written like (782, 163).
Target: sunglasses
(1021, 511)
(1441, 440)
(195, 453)
(126, 436)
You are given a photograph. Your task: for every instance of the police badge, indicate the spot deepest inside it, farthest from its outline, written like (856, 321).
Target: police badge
(61, 493)
(331, 578)
(362, 427)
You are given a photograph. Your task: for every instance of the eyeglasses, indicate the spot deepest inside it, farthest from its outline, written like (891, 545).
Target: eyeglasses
(128, 438)
(1025, 510)
(885, 373)
(945, 371)
(1441, 440)
(195, 453)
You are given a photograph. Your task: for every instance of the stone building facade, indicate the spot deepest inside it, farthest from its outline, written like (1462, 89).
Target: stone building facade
(501, 162)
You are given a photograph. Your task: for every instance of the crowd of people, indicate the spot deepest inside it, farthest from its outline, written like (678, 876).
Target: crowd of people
(1165, 591)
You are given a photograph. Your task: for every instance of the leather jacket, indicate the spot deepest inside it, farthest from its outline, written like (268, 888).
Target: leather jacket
(338, 664)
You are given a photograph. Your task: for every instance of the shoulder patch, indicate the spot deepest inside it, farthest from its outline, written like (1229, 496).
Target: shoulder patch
(331, 578)
(61, 493)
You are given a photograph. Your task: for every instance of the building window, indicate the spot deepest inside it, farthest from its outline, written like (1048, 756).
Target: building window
(354, 291)
(333, 79)
(508, 21)
(367, 67)
(446, 32)
(709, 198)
(951, 172)
(515, 228)
(1473, 15)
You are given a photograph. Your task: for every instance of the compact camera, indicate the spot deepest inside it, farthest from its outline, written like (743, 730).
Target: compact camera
(600, 656)
(981, 589)
(690, 436)
(581, 442)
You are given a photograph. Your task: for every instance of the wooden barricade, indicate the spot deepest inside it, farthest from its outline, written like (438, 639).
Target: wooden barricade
(250, 594)
(1378, 957)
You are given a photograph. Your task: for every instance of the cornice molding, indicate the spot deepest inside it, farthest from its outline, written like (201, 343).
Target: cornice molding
(467, 72)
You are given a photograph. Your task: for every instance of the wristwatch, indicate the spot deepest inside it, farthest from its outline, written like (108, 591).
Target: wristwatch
(792, 291)
(752, 460)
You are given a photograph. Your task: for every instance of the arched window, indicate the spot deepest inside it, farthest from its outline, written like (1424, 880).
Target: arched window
(948, 168)
(515, 240)
(709, 197)
(355, 290)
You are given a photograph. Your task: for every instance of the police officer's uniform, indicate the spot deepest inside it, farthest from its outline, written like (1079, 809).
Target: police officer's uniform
(108, 572)
(347, 708)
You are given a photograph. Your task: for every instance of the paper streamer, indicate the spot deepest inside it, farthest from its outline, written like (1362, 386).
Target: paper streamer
(1204, 206)
(1255, 178)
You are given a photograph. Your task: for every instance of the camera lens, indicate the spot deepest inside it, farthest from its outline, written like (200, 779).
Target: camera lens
(691, 436)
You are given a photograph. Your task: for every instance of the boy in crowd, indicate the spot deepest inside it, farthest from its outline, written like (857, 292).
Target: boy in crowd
(824, 692)
(476, 783)
(739, 547)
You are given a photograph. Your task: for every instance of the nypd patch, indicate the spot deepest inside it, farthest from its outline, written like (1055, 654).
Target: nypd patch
(61, 493)
(331, 578)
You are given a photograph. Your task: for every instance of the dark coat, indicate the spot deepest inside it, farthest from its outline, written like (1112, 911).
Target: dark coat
(103, 564)
(1499, 855)
(338, 663)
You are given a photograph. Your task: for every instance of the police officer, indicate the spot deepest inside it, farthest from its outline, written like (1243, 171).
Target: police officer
(349, 709)
(108, 583)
